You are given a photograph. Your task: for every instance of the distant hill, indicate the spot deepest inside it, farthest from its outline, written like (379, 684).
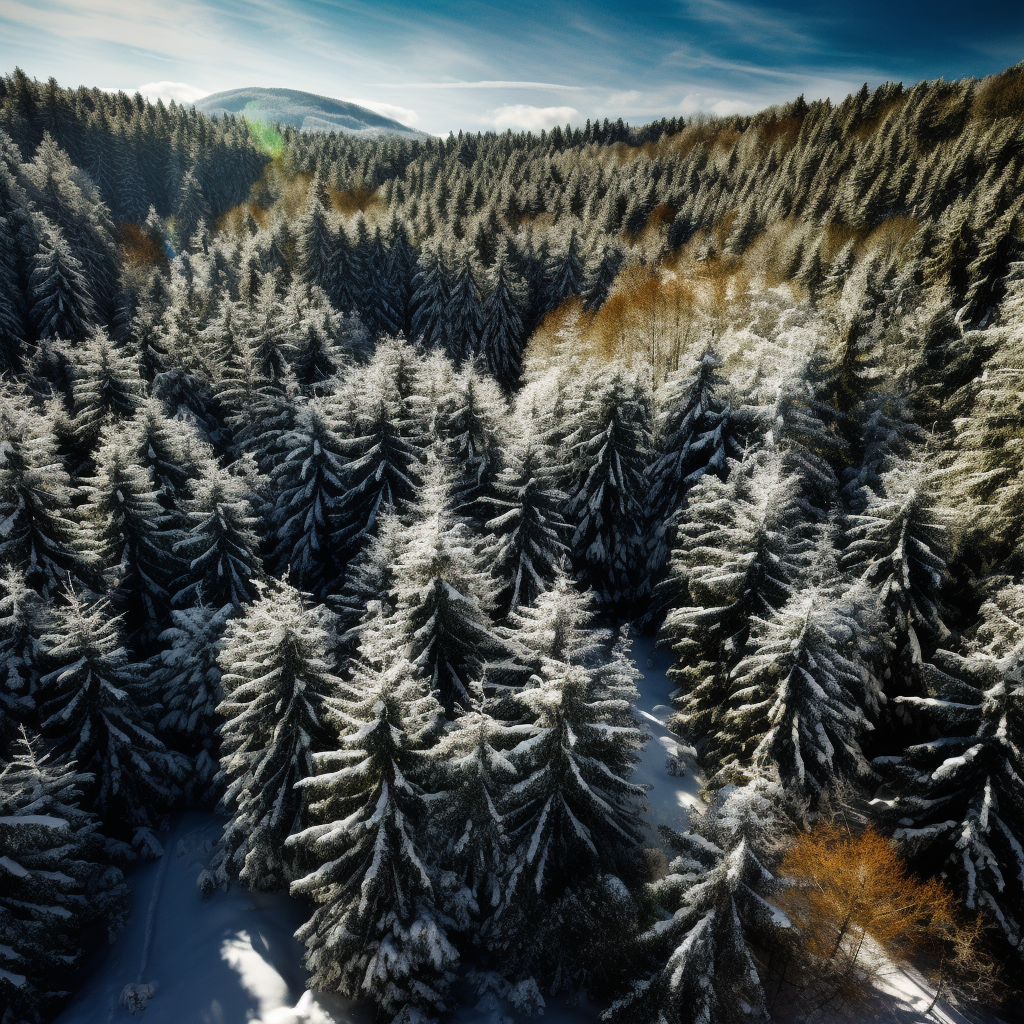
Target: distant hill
(306, 111)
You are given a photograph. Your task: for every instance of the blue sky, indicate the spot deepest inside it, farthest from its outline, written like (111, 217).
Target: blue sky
(471, 64)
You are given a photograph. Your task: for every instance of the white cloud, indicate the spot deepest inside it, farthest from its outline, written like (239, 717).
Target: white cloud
(402, 114)
(521, 115)
(180, 92)
(699, 102)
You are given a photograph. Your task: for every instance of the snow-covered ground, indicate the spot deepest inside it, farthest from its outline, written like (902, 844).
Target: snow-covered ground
(232, 959)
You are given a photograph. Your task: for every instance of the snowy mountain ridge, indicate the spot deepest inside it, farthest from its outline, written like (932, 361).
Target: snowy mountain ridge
(306, 111)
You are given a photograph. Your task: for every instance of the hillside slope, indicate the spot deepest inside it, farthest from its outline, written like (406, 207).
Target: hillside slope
(306, 111)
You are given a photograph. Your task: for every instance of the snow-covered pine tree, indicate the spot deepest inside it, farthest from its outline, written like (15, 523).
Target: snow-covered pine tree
(20, 614)
(527, 536)
(607, 495)
(131, 537)
(470, 420)
(382, 471)
(315, 239)
(444, 597)
(220, 546)
(377, 931)
(38, 531)
(564, 273)
(463, 310)
(279, 695)
(958, 804)
(107, 387)
(502, 335)
(95, 708)
(601, 270)
(12, 300)
(309, 487)
(56, 884)
(431, 293)
(190, 208)
(803, 695)
(62, 306)
(901, 544)
(695, 435)
(741, 547)
(470, 774)
(186, 675)
(574, 821)
(717, 890)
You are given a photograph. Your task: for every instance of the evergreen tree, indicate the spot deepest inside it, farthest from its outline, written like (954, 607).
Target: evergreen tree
(802, 696)
(527, 537)
(94, 707)
(430, 297)
(377, 930)
(695, 436)
(309, 484)
(62, 306)
(107, 388)
(901, 544)
(443, 598)
(718, 892)
(131, 537)
(279, 692)
(607, 505)
(220, 546)
(20, 614)
(463, 312)
(57, 885)
(37, 521)
(502, 334)
(959, 803)
(186, 675)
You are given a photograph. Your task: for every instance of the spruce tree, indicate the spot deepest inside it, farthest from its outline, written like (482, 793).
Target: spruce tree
(607, 494)
(38, 528)
(279, 694)
(377, 930)
(502, 335)
(741, 547)
(186, 675)
(958, 804)
(220, 546)
(717, 891)
(62, 306)
(131, 537)
(20, 615)
(96, 709)
(527, 536)
(309, 487)
(57, 884)
(443, 598)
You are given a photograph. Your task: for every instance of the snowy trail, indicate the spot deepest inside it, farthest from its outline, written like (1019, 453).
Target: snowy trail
(231, 959)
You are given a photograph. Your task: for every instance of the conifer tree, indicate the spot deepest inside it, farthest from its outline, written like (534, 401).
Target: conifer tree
(186, 675)
(695, 436)
(107, 388)
(527, 536)
(741, 548)
(94, 708)
(57, 885)
(443, 598)
(309, 484)
(802, 696)
(900, 544)
(220, 546)
(463, 312)
(607, 506)
(61, 304)
(959, 804)
(20, 614)
(718, 892)
(131, 537)
(279, 694)
(430, 297)
(37, 523)
(502, 331)
(377, 930)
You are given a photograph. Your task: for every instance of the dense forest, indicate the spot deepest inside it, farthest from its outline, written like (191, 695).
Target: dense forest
(336, 476)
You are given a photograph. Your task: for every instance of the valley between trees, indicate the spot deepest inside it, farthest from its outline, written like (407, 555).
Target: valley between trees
(336, 476)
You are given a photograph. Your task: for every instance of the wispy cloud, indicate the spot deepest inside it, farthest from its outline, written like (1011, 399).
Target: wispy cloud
(527, 118)
(180, 92)
(483, 85)
(403, 114)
